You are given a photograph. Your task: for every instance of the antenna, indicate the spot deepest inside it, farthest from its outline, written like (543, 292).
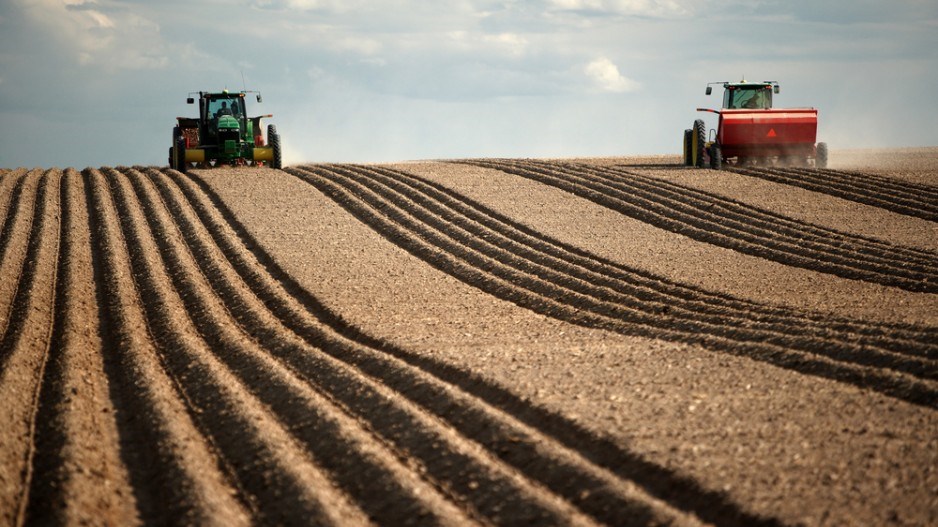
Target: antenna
(243, 84)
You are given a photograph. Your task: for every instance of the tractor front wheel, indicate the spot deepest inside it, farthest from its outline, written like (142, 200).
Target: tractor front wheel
(699, 141)
(273, 139)
(716, 156)
(820, 159)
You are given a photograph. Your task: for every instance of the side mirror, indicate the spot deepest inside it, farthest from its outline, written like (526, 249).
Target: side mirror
(189, 100)
(259, 98)
(709, 90)
(775, 88)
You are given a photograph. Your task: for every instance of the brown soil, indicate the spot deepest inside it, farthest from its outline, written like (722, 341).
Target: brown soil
(613, 341)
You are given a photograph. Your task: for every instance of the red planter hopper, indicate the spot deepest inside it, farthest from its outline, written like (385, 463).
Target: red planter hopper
(762, 133)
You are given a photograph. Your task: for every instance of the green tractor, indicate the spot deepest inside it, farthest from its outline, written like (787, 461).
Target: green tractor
(223, 134)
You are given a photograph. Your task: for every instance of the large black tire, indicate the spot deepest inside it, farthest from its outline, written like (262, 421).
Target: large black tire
(821, 160)
(172, 149)
(688, 150)
(273, 139)
(181, 164)
(700, 142)
(716, 156)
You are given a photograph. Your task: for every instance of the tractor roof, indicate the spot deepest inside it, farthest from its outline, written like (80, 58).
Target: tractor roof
(750, 85)
(224, 94)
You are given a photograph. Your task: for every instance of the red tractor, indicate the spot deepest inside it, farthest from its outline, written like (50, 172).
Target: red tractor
(751, 132)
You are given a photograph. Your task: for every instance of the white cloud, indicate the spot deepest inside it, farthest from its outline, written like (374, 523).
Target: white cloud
(357, 44)
(650, 8)
(605, 75)
(100, 19)
(105, 35)
(513, 43)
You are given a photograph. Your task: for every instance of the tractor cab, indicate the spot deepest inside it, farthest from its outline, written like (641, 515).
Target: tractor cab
(747, 96)
(222, 112)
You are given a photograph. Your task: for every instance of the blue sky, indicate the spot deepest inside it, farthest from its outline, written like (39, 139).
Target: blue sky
(100, 82)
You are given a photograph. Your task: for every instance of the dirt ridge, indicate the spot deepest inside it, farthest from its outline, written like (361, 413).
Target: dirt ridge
(642, 285)
(25, 345)
(846, 244)
(908, 198)
(158, 365)
(907, 378)
(174, 473)
(432, 385)
(693, 215)
(589, 274)
(78, 478)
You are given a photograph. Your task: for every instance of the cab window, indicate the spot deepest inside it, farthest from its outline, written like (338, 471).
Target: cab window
(756, 98)
(218, 107)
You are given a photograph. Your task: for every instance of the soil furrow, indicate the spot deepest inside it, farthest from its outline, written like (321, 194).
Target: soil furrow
(548, 298)
(840, 242)
(893, 196)
(283, 482)
(413, 436)
(720, 222)
(307, 362)
(917, 190)
(529, 266)
(771, 226)
(14, 240)
(24, 349)
(656, 294)
(921, 341)
(354, 460)
(487, 492)
(715, 230)
(562, 347)
(714, 210)
(78, 477)
(526, 449)
(174, 473)
(739, 325)
(883, 188)
(9, 183)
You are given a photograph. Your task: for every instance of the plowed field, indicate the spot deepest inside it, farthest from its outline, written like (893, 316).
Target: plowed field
(489, 341)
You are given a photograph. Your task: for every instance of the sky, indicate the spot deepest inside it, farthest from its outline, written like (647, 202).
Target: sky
(101, 82)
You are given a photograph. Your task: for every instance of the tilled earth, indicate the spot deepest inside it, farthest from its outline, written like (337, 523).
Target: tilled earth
(619, 341)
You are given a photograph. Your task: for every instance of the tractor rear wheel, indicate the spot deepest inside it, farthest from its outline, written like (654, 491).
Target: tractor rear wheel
(688, 150)
(273, 139)
(820, 160)
(716, 156)
(699, 141)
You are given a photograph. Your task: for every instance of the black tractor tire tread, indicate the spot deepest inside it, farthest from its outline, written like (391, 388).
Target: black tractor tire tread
(700, 135)
(273, 138)
(181, 154)
(177, 133)
(687, 147)
(716, 157)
